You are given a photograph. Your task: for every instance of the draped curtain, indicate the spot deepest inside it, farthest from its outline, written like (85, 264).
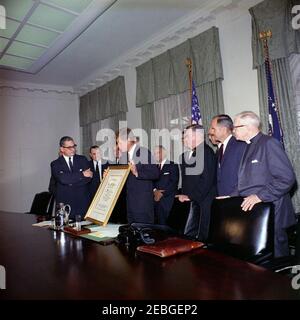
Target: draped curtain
(163, 83)
(275, 15)
(102, 108)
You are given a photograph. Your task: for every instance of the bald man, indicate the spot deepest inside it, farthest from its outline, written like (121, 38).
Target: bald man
(265, 175)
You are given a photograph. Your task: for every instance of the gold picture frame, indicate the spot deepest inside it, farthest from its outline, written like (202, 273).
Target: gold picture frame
(107, 195)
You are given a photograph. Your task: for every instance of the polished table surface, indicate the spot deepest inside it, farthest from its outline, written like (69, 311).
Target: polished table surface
(45, 264)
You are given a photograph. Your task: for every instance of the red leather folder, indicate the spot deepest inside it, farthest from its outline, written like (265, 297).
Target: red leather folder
(75, 232)
(170, 247)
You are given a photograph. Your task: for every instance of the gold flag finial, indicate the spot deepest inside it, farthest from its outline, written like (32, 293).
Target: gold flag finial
(188, 62)
(264, 35)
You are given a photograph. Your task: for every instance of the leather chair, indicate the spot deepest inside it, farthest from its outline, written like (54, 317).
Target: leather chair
(42, 204)
(245, 235)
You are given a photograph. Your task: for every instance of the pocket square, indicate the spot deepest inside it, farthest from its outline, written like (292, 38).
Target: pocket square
(165, 173)
(254, 161)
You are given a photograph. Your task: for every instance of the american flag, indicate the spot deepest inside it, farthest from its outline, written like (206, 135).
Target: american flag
(196, 114)
(275, 129)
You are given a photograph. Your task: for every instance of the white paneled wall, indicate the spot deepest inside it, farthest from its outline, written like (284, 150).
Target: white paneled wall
(240, 85)
(31, 123)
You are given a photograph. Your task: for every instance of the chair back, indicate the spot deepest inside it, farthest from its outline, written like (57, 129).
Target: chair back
(239, 233)
(41, 204)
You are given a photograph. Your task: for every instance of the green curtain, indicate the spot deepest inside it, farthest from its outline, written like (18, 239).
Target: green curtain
(210, 96)
(106, 102)
(276, 16)
(287, 110)
(148, 123)
(167, 74)
(103, 102)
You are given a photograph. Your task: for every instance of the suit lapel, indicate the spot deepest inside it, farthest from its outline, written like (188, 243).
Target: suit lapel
(227, 150)
(64, 163)
(249, 150)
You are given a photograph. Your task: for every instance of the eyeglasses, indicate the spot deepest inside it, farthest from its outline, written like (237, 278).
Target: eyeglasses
(240, 126)
(70, 147)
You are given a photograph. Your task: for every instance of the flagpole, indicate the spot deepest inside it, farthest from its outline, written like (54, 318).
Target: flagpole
(189, 65)
(264, 36)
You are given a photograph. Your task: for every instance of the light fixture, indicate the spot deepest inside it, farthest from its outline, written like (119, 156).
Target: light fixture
(38, 30)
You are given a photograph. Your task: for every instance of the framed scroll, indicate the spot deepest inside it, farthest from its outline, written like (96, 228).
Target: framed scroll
(107, 195)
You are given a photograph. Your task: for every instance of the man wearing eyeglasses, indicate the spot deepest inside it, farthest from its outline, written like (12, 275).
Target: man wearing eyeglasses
(265, 175)
(72, 174)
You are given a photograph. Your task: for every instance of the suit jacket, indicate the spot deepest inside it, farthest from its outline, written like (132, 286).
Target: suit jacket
(52, 185)
(266, 171)
(168, 181)
(95, 182)
(72, 187)
(227, 170)
(200, 187)
(140, 207)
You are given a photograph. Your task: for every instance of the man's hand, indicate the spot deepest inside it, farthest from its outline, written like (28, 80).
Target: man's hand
(158, 194)
(249, 202)
(105, 172)
(182, 198)
(88, 173)
(133, 168)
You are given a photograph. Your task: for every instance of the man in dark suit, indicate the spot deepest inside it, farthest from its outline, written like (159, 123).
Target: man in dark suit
(230, 152)
(97, 166)
(52, 182)
(72, 175)
(165, 188)
(139, 186)
(265, 175)
(198, 169)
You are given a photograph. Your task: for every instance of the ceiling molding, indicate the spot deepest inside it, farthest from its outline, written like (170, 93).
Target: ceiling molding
(188, 27)
(191, 25)
(8, 87)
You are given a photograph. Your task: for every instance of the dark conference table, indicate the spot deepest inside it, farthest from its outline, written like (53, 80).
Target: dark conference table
(45, 264)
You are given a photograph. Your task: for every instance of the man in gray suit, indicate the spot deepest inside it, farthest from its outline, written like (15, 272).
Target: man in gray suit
(265, 175)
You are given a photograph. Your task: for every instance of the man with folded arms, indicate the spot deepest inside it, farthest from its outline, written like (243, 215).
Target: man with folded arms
(265, 175)
(72, 175)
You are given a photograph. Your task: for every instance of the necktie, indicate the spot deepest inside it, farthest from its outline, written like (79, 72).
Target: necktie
(98, 171)
(221, 153)
(70, 164)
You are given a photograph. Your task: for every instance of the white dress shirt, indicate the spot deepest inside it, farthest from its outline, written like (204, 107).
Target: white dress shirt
(67, 161)
(131, 152)
(99, 166)
(225, 143)
(162, 163)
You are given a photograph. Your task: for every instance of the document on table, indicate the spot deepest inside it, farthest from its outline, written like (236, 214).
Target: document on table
(42, 224)
(111, 230)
